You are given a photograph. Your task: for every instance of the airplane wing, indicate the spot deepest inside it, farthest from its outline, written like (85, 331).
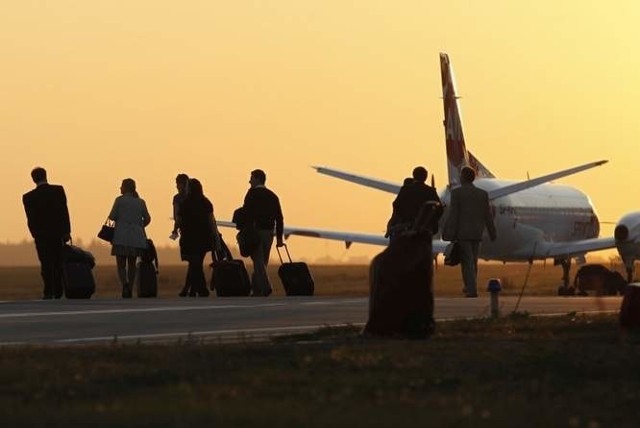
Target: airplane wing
(385, 186)
(576, 248)
(517, 187)
(493, 194)
(547, 249)
(347, 237)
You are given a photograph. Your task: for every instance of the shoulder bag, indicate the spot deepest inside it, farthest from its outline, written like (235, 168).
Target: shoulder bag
(107, 231)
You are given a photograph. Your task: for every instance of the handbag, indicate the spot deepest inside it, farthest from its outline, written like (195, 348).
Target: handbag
(107, 231)
(452, 254)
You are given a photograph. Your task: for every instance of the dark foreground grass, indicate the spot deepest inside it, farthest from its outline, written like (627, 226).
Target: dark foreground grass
(518, 371)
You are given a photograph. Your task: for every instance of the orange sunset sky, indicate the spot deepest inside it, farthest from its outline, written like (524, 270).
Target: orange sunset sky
(96, 91)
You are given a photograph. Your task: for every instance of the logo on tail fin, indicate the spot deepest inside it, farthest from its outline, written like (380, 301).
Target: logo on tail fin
(481, 170)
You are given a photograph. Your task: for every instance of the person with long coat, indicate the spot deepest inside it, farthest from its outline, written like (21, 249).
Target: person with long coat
(131, 216)
(469, 216)
(198, 235)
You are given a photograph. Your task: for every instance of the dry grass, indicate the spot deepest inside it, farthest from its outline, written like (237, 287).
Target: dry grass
(517, 371)
(338, 280)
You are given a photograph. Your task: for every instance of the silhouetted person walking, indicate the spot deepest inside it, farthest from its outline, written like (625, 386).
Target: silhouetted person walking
(199, 235)
(48, 221)
(262, 210)
(413, 194)
(131, 216)
(182, 185)
(469, 214)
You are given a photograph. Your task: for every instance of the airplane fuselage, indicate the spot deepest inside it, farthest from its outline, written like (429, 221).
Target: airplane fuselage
(528, 220)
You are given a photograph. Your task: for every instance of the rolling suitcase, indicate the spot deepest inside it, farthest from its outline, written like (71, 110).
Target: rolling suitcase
(229, 277)
(295, 276)
(147, 275)
(146, 280)
(79, 281)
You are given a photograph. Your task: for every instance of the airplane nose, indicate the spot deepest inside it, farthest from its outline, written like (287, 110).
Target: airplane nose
(621, 232)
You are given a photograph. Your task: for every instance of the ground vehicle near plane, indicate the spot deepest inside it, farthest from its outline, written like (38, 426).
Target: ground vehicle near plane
(535, 220)
(598, 279)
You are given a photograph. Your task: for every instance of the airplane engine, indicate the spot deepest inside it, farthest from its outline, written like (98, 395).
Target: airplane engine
(627, 236)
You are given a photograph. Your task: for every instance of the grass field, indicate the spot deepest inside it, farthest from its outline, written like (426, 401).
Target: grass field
(527, 371)
(339, 280)
(518, 371)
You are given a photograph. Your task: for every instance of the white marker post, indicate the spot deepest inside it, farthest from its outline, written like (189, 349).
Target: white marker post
(494, 287)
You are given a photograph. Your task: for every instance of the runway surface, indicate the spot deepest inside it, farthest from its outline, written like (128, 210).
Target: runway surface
(59, 322)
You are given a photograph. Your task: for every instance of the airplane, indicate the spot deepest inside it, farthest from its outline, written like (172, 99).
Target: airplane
(535, 220)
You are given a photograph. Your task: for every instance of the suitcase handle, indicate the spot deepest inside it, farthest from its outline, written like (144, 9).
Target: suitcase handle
(280, 256)
(223, 254)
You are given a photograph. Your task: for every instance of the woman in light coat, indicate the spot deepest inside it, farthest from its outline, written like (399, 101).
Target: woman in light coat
(131, 216)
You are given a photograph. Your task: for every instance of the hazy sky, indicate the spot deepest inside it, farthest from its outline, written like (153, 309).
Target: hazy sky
(96, 91)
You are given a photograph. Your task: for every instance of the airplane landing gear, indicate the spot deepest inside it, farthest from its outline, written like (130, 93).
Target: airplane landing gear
(565, 289)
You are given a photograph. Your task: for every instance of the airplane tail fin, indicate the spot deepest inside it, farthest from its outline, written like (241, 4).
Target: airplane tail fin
(457, 154)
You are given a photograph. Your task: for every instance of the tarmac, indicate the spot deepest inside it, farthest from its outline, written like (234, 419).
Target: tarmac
(67, 322)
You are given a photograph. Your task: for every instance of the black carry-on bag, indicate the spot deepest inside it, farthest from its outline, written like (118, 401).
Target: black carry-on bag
(79, 281)
(147, 276)
(146, 280)
(229, 277)
(295, 276)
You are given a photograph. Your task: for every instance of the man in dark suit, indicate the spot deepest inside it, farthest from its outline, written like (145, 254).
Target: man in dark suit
(469, 215)
(48, 221)
(406, 207)
(262, 210)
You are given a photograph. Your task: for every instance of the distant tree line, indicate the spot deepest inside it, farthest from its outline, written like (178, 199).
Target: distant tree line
(24, 254)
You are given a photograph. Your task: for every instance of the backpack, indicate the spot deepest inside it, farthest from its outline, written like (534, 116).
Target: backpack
(248, 241)
(239, 218)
